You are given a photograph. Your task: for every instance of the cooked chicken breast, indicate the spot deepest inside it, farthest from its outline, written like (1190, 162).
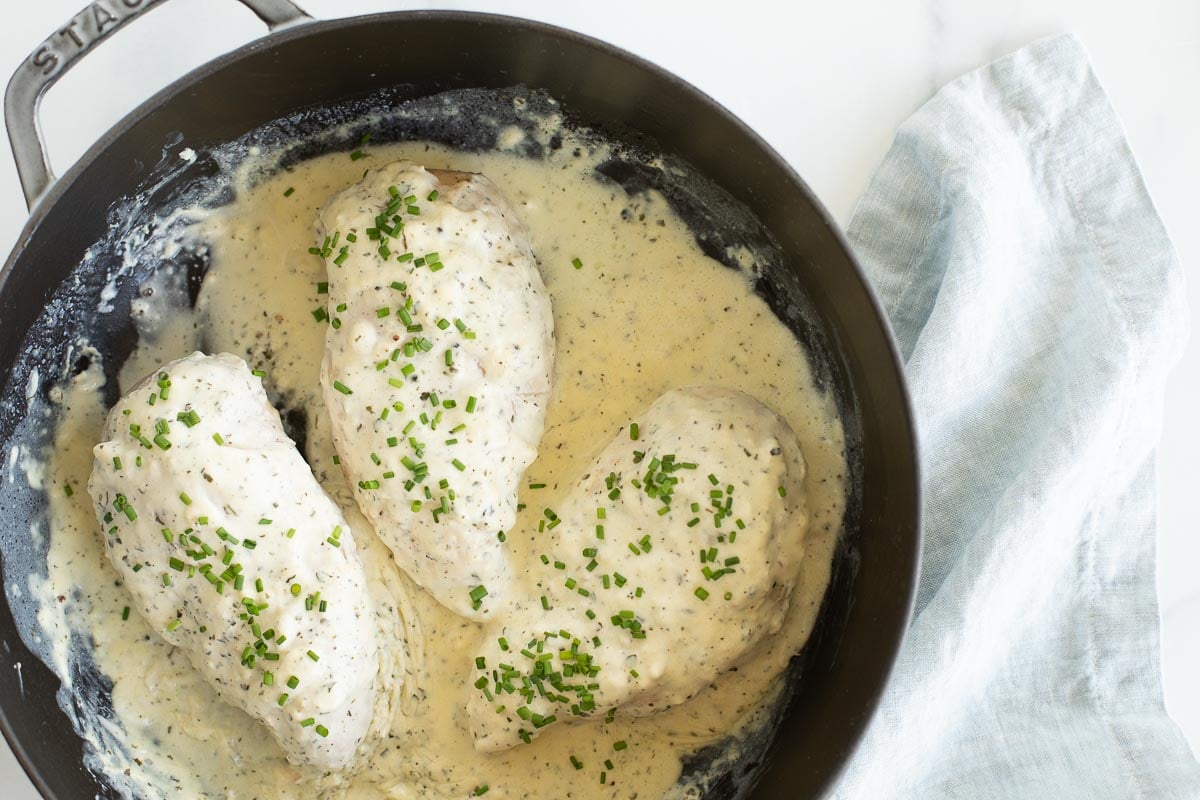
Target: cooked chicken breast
(436, 370)
(676, 554)
(234, 554)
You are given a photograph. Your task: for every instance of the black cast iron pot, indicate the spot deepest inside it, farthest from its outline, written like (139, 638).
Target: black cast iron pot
(814, 285)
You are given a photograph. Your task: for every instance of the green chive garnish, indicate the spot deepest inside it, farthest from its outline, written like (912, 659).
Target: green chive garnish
(189, 418)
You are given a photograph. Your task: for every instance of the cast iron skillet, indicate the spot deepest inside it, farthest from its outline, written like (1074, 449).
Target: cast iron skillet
(304, 64)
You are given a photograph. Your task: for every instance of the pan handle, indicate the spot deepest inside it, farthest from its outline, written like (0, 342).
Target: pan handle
(61, 51)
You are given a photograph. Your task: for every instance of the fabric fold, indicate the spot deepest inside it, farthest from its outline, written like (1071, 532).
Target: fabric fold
(1038, 304)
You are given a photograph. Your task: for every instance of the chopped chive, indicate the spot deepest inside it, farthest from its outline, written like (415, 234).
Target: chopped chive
(189, 418)
(633, 431)
(289, 191)
(577, 263)
(343, 388)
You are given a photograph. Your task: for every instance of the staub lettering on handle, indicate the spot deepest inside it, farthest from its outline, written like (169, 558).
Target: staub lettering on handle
(84, 29)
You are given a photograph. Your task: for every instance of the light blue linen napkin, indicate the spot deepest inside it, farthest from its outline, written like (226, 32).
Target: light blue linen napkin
(1038, 304)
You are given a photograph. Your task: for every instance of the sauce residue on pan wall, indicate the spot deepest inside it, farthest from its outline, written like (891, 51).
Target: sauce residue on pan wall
(645, 313)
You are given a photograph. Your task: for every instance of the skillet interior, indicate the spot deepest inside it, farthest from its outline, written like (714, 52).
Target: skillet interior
(813, 286)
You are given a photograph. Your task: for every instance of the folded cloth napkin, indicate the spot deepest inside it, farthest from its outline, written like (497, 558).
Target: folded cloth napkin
(1038, 305)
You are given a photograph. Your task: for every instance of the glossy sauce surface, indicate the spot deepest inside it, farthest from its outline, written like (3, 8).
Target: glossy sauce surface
(644, 312)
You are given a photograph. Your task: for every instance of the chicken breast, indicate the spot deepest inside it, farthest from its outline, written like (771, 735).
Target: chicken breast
(436, 370)
(234, 554)
(676, 555)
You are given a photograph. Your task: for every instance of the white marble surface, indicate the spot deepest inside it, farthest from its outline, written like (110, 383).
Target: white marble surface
(826, 84)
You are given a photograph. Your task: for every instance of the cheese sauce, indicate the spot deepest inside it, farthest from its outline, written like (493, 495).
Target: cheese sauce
(638, 310)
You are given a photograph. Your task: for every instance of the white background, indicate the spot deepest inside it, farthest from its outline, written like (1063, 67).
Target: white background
(826, 84)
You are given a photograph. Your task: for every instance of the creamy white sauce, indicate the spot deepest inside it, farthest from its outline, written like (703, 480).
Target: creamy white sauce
(618, 349)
